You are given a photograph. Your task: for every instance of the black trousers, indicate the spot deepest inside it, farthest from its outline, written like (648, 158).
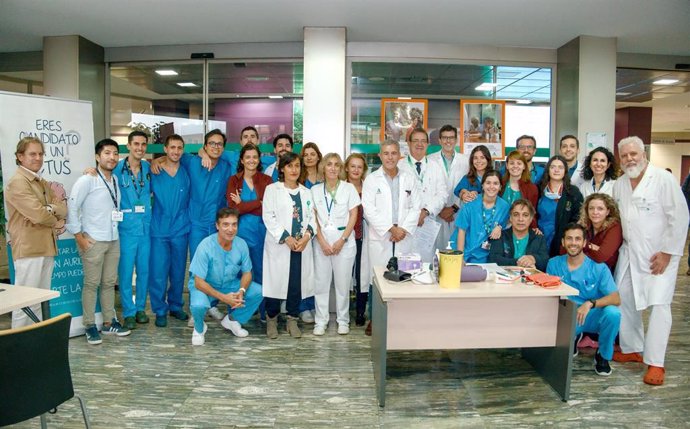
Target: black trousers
(361, 297)
(294, 293)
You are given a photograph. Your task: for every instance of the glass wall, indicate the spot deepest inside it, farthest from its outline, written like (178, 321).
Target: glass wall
(526, 91)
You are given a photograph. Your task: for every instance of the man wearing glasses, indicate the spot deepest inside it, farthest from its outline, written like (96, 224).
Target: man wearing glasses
(527, 146)
(453, 166)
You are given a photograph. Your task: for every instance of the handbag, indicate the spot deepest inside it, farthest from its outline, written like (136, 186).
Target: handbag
(542, 279)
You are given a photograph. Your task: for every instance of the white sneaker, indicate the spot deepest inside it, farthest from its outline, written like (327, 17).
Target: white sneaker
(234, 327)
(343, 329)
(215, 313)
(198, 339)
(319, 330)
(307, 316)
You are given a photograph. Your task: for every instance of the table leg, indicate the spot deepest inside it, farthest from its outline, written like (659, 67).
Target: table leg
(45, 310)
(29, 312)
(554, 364)
(379, 317)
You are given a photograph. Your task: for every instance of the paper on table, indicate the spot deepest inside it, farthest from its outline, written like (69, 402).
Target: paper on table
(425, 238)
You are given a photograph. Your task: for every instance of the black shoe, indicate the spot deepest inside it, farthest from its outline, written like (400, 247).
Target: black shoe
(161, 321)
(179, 314)
(360, 320)
(601, 365)
(578, 337)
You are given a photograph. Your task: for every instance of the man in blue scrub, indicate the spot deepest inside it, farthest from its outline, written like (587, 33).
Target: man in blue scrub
(169, 234)
(598, 300)
(527, 146)
(248, 134)
(213, 277)
(134, 182)
(282, 144)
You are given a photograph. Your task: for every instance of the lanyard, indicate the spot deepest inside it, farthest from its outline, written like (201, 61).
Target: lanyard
(489, 223)
(134, 179)
(329, 207)
(420, 176)
(110, 191)
(445, 162)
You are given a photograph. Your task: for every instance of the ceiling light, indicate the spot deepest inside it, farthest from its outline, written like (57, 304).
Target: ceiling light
(623, 94)
(257, 78)
(486, 86)
(186, 84)
(665, 81)
(376, 79)
(523, 101)
(275, 97)
(166, 72)
(404, 98)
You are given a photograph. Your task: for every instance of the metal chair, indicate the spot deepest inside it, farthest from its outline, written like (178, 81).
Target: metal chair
(34, 371)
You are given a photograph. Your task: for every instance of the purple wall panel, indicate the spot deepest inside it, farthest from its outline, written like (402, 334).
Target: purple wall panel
(270, 117)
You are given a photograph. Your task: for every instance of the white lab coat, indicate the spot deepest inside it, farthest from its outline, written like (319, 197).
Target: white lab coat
(654, 219)
(376, 200)
(277, 216)
(270, 169)
(457, 169)
(576, 179)
(586, 188)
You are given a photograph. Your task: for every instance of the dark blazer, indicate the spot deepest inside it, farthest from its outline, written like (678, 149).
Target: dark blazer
(567, 211)
(235, 185)
(502, 250)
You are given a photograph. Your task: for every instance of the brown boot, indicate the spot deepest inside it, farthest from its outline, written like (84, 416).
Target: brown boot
(367, 330)
(292, 327)
(272, 327)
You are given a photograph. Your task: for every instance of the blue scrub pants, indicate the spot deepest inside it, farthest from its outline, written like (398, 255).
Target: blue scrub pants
(134, 251)
(199, 302)
(605, 321)
(196, 234)
(168, 261)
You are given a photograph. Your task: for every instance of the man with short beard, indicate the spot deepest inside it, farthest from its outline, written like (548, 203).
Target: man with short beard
(654, 215)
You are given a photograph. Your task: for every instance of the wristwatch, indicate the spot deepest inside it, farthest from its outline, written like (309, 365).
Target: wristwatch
(455, 208)
(594, 303)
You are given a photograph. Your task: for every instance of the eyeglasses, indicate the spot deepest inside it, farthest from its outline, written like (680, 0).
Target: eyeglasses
(448, 138)
(215, 144)
(525, 147)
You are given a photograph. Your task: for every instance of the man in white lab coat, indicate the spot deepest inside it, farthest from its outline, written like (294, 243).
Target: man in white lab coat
(453, 167)
(654, 215)
(431, 182)
(391, 202)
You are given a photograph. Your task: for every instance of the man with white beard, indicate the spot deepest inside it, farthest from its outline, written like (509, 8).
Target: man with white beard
(654, 215)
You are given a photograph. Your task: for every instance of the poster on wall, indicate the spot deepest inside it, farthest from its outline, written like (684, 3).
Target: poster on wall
(483, 123)
(400, 117)
(66, 129)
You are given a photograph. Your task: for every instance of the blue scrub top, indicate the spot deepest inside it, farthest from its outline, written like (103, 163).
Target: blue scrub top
(546, 210)
(217, 266)
(592, 279)
(308, 184)
(208, 189)
(251, 227)
(572, 170)
(134, 191)
(474, 219)
(537, 173)
(464, 183)
(170, 203)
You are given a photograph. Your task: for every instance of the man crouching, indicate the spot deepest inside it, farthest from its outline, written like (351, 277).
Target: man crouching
(214, 271)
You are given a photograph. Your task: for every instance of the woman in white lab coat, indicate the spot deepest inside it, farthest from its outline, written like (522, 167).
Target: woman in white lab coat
(336, 202)
(288, 213)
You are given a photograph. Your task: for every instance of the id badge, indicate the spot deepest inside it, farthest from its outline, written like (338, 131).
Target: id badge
(117, 216)
(486, 245)
(139, 209)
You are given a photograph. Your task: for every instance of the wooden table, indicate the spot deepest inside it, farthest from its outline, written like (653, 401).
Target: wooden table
(15, 297)
(477, 316)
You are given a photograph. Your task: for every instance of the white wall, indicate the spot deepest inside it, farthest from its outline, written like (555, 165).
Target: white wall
(669, 156)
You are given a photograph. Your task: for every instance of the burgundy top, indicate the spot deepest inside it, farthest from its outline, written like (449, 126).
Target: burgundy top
(358, 224)
(609, 241)
(235, 185)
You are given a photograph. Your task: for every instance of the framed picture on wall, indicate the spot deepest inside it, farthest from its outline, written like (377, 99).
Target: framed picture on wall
(400, 117)
(482, 122)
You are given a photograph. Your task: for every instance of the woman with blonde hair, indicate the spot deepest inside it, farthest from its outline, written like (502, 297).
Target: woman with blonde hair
(355, 171)
(335, 202)
(602, 220)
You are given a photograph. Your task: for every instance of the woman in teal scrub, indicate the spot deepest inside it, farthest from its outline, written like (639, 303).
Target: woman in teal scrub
(482, 220)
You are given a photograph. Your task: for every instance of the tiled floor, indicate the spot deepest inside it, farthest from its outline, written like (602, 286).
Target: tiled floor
(156, 379)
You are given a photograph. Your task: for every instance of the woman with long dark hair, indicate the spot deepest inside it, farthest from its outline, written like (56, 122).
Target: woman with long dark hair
(600, 172)
(470, 186)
